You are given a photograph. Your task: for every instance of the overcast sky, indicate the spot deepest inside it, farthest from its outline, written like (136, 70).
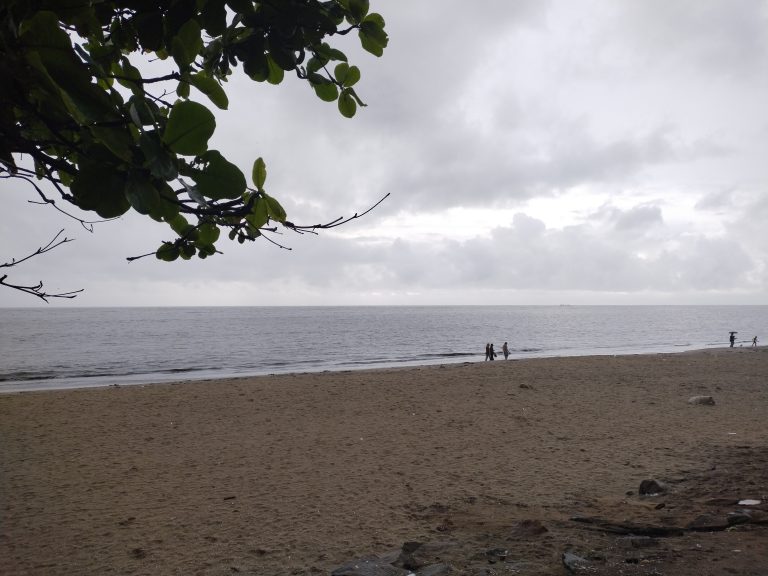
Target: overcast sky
(565, 152)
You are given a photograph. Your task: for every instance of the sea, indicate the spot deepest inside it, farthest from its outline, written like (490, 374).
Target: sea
(57, 347)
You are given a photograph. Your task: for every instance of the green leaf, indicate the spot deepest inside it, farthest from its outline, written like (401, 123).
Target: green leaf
(141, 114)
(179, 225)
(186, 251)
(375, 18)
(373, 38)
(142, 194)
(314, 64)
(189, 127)
(214, 16)
(149, 28)
(182, 89)
(359, 9)
(326, 92)
(211, 88)
(130, 75)
(276, 73)
(259, 214)
(351, 92)
(186, 44)
(168, 206)
(158, 160)
(100, 188)
(259, 173)
(352, 76)
(208, 233)
(116, 138)
(219, 178)
(337, 55)
(168, 252)
(340, 72)
(347, 104)
(274, 209)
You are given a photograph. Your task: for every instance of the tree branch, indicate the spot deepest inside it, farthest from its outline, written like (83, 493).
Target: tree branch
(37, 289)
(334, 223)
(87, 224)
(171, 76)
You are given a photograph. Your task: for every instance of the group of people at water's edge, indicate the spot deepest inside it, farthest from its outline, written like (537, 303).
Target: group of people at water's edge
(490, 353)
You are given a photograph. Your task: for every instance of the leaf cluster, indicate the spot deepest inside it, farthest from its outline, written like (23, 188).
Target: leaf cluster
(111, 138)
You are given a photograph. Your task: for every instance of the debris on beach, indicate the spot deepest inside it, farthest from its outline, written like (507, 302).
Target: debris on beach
(575, 564)
(702, 400)
(652, 487)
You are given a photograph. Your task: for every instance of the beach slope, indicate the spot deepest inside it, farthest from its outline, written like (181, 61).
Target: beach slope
(299, 474)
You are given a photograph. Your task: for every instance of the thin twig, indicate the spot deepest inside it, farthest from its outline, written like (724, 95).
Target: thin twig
(334, 223)
(37, 289)
(42, 250)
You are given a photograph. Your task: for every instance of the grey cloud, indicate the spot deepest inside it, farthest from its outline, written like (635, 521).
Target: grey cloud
(485, 107)
(728, 37)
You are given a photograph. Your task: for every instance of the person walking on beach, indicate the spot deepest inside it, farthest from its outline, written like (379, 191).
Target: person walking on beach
(505, 350)
(732, 338)
(492, 354)
(488, 352)
(754, 342)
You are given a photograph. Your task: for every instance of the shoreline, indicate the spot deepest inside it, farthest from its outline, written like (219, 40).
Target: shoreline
(86, 382)
(300, 473)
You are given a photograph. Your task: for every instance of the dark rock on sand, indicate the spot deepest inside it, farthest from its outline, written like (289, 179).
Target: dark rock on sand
(415, 555)
(528, 529)
(702, 400)
(576, 564)
(652, 487)
(369, 566)
(435, 570)
(497, 555)
(708, 523)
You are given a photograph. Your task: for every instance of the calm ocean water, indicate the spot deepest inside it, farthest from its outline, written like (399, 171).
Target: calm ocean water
(79, 347)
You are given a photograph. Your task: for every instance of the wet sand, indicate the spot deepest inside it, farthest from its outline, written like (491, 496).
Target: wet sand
(297, 474)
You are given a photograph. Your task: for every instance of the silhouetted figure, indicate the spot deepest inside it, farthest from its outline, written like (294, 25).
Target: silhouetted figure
(733, 338)
(492, 353)
(754, 342)
(505, 350)
(488, 352)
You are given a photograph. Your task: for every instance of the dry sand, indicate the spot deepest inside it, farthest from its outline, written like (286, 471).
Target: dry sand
(298, 474)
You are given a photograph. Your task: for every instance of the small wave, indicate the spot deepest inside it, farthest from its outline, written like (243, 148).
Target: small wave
(180, 370)
(23, 376)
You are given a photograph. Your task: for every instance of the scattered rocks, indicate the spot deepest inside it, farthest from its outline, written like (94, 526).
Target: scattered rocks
(575, 564)
(435, 570)
(369, 566)
(652, 487)
(739, 517)
(497, 555)
(415, 555)
(702, 400)
(708, 523)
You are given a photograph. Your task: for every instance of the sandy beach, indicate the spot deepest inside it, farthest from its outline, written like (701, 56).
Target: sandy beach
(300, 474)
